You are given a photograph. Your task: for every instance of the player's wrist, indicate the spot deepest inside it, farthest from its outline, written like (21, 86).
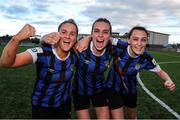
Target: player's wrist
(15, 39)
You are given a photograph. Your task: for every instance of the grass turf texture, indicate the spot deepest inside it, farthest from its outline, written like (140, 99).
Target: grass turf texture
(16, 88)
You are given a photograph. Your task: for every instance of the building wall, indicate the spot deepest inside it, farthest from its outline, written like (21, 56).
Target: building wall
(156, 38)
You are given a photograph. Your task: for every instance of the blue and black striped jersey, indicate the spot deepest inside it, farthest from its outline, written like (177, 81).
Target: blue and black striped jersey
(122, 76)
(53, 84)
(89, 77)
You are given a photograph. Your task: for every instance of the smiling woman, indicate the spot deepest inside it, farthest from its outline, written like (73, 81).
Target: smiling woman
(132, 59)
(51, 95)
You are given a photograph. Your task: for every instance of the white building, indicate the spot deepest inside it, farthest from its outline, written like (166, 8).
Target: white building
(157, 38)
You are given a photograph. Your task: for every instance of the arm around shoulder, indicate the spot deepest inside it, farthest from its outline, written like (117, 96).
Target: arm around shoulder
(82, 44)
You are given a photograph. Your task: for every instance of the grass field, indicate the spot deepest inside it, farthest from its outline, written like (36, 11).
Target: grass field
(16, 87)
(147, 107)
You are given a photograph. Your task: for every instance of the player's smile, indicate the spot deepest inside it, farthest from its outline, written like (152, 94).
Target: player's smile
(66, 42)
(100, 43)
(100, 36)
(137, 42)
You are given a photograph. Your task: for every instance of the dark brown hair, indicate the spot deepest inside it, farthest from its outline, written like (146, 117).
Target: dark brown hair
(137, 28)
(69, 21)
(102, 20)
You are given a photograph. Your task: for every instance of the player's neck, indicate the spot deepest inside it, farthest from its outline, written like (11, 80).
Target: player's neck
(61, 54)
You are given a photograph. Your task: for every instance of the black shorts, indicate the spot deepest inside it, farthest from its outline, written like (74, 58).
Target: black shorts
(62, 112)
(117, 99)
(130, 100)
(83, 101)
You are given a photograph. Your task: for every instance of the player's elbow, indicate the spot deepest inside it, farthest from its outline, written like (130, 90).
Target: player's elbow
(4, 64)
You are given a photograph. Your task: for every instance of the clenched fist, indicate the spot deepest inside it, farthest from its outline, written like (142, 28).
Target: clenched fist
(51, 38)
(26, 32)
(169, 85)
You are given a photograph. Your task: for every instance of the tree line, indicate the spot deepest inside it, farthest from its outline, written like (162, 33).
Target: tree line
(6, 38)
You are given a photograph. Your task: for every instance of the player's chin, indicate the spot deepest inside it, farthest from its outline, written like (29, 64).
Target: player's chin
(67, 49)
(100, 47)
(139, 52)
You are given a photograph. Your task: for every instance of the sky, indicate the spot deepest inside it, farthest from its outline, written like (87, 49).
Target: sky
(45, 15)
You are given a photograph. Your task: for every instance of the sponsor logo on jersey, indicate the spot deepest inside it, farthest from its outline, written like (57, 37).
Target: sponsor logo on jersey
(87, 61)
(51, 70)
(37, 50)
(137, 67)
(154, 62)
(34, 49)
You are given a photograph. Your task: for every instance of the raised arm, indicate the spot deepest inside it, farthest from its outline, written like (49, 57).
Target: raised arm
(169, 84)
(9, 57)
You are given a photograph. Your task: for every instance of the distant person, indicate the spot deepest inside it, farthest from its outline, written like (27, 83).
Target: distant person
(131, 59)
(51, 97)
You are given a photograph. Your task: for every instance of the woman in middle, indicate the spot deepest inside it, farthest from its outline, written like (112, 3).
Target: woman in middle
(89, 82)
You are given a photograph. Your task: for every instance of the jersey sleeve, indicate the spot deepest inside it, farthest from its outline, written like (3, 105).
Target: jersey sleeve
(153, 66)
(114, 41)
(34, 51)
(118, 46)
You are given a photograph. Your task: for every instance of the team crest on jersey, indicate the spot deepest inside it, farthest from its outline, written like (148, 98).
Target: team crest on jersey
(87, 61)
(72, 67)
(137, 67)
(107, 64)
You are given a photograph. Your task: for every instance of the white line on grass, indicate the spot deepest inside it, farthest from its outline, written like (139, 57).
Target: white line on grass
(170, 62)
(154, 97)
